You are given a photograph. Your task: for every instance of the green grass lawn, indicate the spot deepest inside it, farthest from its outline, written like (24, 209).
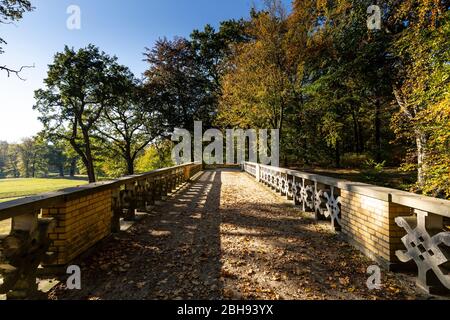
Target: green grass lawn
(11, 189)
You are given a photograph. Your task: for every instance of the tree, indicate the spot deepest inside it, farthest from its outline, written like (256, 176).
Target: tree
(176, 84)
(12, 167)
(31, 153)
(258, 89)
(3, 158)
(78, 88)
(56, 158)
(213, 48)
(130, 122)
(183, 78)
(10, 12)
(437, 121)
(346, 79)
(421, 50)
(212, 51)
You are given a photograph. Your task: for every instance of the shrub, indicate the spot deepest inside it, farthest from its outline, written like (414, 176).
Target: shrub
(354, 160)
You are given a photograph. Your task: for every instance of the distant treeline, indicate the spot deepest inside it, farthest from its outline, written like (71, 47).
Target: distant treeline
(35, 157)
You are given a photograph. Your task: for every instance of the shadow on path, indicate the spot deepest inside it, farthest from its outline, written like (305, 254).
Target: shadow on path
(227, 237)
(172, 254)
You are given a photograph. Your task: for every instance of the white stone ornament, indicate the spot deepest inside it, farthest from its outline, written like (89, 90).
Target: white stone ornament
(307, 196)
(424, 249)
(333, 208)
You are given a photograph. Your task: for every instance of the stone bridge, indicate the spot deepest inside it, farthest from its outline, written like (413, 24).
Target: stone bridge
(249, 232)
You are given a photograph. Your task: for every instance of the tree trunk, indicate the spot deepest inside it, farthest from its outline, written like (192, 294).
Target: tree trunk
(421, 142)
(61, 170)
(73, 167)
(356, 146)
(338, 156)
(33, 170)
(361, 138)
(129, 159)
(27, 169)
(90, 169)
(130, 166)
(280, 128)
(378, 130)
(89, 160)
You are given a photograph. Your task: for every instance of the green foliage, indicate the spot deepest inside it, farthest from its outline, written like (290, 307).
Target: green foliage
(354, 160)
(129, 123)
(376, 167)
(110, 165)
(34, 157)
(79, 86)
(408, 167)
(33, 160)
(176, 83)
(423, 83)
(438, 161)
(372, 169)
(12, 168)
(183, 76)
(156, 156)
(3, 158)
(315, 81)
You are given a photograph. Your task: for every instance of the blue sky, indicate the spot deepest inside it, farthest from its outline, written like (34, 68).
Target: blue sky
(119, 27)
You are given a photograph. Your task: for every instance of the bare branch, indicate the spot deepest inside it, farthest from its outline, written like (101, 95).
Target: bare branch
(16, 72)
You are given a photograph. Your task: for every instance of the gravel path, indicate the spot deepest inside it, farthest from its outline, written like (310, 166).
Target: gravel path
(226, 237)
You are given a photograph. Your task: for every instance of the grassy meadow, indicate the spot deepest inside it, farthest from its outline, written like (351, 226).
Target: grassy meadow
(11, 189)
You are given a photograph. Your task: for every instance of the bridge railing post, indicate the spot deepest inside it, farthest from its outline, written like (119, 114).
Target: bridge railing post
(389, 226)
(21, 253)
(54, 229)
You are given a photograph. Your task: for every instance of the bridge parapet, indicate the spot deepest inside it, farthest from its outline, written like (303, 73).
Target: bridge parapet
(390, 226)
(55, 228)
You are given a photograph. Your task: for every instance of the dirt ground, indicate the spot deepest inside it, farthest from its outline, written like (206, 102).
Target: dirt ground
(227, 237)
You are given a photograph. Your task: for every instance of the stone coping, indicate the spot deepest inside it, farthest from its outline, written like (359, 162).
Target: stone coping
(408, 199)
(21, 206)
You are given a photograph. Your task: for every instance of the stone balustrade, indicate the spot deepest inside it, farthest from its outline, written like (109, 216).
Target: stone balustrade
(55, 228)
(392, 227)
